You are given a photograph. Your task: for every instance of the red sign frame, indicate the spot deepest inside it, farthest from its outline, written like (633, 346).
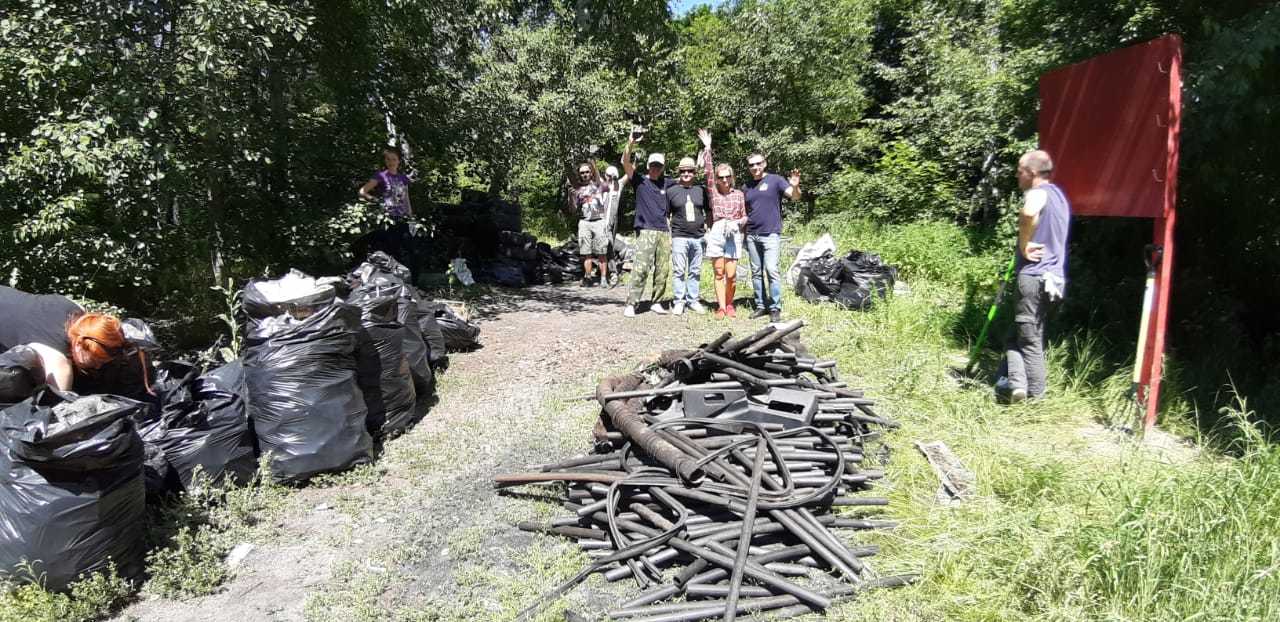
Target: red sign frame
(1112, 124)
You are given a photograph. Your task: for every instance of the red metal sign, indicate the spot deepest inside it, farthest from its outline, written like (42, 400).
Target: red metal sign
(1112, 126)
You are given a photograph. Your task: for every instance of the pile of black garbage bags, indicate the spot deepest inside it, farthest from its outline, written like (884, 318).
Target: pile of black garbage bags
(329, 368)
(853, 281)
(521, 260)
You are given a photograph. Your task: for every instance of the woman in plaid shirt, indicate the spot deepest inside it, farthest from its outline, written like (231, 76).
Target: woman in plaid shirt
(728, 220)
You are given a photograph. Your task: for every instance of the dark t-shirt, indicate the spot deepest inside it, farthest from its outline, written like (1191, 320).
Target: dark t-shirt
(42, 318)
(651, 201)
(764, 204)
(35, 318)
(687, 221)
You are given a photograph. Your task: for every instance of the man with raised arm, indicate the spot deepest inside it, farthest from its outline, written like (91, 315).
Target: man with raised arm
(728, 221)
(589, 201)
(652, 264)
(764, 193)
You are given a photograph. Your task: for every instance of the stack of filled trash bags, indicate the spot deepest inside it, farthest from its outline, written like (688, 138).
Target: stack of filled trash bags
(853, 281)
(520, 260)
(329, 368)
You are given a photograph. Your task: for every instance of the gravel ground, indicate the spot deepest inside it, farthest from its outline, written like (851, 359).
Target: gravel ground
(421, 534)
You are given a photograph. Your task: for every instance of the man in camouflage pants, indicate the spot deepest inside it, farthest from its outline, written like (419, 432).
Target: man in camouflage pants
(651, 268)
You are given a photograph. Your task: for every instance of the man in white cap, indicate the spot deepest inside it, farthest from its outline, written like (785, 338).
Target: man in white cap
(650, 268)
(688, 208)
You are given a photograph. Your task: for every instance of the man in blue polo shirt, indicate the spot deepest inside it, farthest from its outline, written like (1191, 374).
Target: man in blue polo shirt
(764, 192)
(652, 263)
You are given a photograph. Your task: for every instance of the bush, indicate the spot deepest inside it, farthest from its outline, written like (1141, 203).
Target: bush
(90, 598)
(190, 566)
(902, 187)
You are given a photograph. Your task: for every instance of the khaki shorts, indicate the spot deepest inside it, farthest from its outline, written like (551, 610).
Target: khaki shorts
(593, 237)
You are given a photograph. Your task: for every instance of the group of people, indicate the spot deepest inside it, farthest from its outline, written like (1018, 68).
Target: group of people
(678, 222)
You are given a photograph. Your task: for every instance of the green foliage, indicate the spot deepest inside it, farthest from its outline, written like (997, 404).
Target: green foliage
(231, 319)
(192, 565)
(902, 186)
(191, 535)
(89, 598)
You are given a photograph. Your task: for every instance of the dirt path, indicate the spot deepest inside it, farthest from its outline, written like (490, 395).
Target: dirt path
(421, 535)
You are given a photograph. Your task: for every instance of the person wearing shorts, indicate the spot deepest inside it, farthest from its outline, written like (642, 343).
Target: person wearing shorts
(728, 219)
(593, 227)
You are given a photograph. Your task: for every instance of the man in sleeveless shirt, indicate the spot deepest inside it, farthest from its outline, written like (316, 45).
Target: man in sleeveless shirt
(1043, 225)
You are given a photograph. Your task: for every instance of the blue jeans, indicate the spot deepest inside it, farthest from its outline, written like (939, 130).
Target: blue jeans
(686, 268)
(764, 251)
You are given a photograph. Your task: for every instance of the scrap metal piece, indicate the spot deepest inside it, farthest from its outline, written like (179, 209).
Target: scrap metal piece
(957, 481)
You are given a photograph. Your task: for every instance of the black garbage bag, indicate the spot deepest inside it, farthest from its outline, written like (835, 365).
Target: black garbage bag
(506, 272)
(459, 335)
(854, 281)
(391, 396)
(864, 277)
(383, 271)
(517, 245)
(71, 490)
(433, 335)
(819, 279)
(305, 404)
(20, 374)
(197, 422)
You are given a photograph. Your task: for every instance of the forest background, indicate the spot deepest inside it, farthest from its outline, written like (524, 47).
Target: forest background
(151, 149)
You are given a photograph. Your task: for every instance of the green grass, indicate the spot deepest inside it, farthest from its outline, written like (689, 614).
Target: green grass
(1072, 521)
(89, 598)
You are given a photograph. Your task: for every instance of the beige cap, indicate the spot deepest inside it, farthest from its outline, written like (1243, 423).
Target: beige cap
(657, 158)
(687, 162)
(612, 171)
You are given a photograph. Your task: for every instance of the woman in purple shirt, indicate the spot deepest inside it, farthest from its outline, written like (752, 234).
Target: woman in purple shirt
(390, 188)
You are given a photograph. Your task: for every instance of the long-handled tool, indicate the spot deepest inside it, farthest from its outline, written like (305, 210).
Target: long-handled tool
(991, 315)
(1151, 255)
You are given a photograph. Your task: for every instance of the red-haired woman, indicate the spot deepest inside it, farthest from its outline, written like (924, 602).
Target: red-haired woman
(82, 352)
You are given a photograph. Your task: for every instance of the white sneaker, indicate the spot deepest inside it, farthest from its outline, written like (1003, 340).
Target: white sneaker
(678, 309)
(697, 307)
(659, 309)
(629, 311)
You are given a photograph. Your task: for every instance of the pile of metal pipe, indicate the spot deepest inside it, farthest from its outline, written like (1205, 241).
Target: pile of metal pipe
(714, 480)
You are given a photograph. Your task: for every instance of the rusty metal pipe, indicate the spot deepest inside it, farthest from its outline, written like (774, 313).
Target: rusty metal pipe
(625, 415)
(774, 337)
(738, 344)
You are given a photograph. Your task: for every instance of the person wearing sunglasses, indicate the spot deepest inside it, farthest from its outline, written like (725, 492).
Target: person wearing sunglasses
(593, 228)
(764, 193)
(688, 208)
(88, 353)
(728, 219)
(650, 268)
